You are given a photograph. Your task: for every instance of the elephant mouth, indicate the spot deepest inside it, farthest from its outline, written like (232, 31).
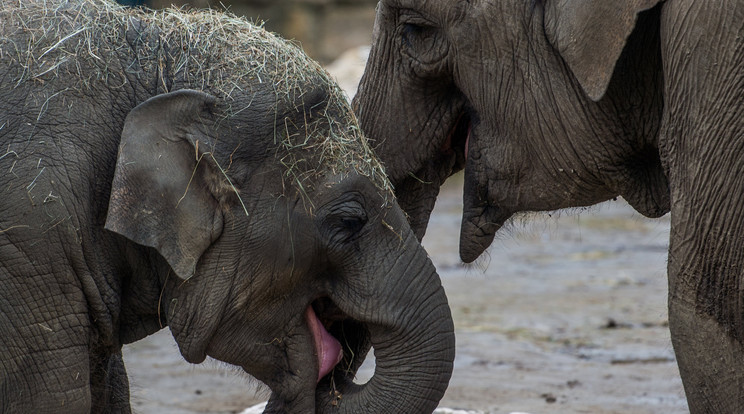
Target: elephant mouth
(418, 192)
(456, 143)
(341, 343)
(327, 347)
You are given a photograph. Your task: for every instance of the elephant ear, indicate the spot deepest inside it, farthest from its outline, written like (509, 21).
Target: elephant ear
(162, 192)
(590, 36)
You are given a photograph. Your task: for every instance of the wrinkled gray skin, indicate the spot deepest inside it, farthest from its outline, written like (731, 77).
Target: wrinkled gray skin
(570, 103)
(116, 221)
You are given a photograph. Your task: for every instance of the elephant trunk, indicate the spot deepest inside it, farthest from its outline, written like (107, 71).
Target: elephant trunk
(411, 330)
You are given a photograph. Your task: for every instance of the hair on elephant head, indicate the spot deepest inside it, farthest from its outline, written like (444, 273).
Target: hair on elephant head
(193, 170)
(547, 104)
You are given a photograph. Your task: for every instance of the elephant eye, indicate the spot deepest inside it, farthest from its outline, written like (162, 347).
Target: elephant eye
(412, 32)
(346, 220)
(422, 41)
(352, 225)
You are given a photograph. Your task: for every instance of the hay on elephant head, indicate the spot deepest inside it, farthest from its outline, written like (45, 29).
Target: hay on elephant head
(86, 41)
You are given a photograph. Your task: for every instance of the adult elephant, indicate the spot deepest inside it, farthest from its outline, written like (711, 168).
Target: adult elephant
(549, 104)
(249, 216)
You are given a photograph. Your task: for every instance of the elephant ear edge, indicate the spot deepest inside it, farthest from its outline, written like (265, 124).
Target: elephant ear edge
(161, 193)
(590, 36)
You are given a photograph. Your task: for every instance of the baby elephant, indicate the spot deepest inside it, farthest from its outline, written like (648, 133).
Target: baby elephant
(191, 170)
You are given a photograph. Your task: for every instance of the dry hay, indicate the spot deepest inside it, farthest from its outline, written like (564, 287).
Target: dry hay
(86, 41)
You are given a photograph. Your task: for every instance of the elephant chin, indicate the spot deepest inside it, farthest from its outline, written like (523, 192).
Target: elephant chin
(477, 230)
(480, 219)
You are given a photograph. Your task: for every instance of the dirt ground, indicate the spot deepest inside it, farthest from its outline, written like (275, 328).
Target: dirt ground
(565, 313)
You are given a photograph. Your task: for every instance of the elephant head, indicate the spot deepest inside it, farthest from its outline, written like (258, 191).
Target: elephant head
(279, 244)
(545, 104)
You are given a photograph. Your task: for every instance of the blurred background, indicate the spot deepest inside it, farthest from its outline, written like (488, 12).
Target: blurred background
(326, 28)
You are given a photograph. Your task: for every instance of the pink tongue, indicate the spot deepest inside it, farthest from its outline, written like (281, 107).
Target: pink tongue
(327, 347)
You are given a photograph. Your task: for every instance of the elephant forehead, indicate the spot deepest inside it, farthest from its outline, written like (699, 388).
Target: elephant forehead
(332, 144)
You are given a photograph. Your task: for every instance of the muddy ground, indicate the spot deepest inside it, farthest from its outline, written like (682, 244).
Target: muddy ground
(565, 313)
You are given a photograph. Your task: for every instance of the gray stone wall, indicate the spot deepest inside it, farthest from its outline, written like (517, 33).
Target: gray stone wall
(326, 28)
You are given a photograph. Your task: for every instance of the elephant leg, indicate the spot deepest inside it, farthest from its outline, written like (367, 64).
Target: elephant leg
(45, 381)
(706, 293)
(701, 146)
(710, 361)
(109, 385)
(44, 343)
(706, 316)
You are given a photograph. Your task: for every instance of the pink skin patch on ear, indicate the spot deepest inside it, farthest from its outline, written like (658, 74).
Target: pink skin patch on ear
(327, 348)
